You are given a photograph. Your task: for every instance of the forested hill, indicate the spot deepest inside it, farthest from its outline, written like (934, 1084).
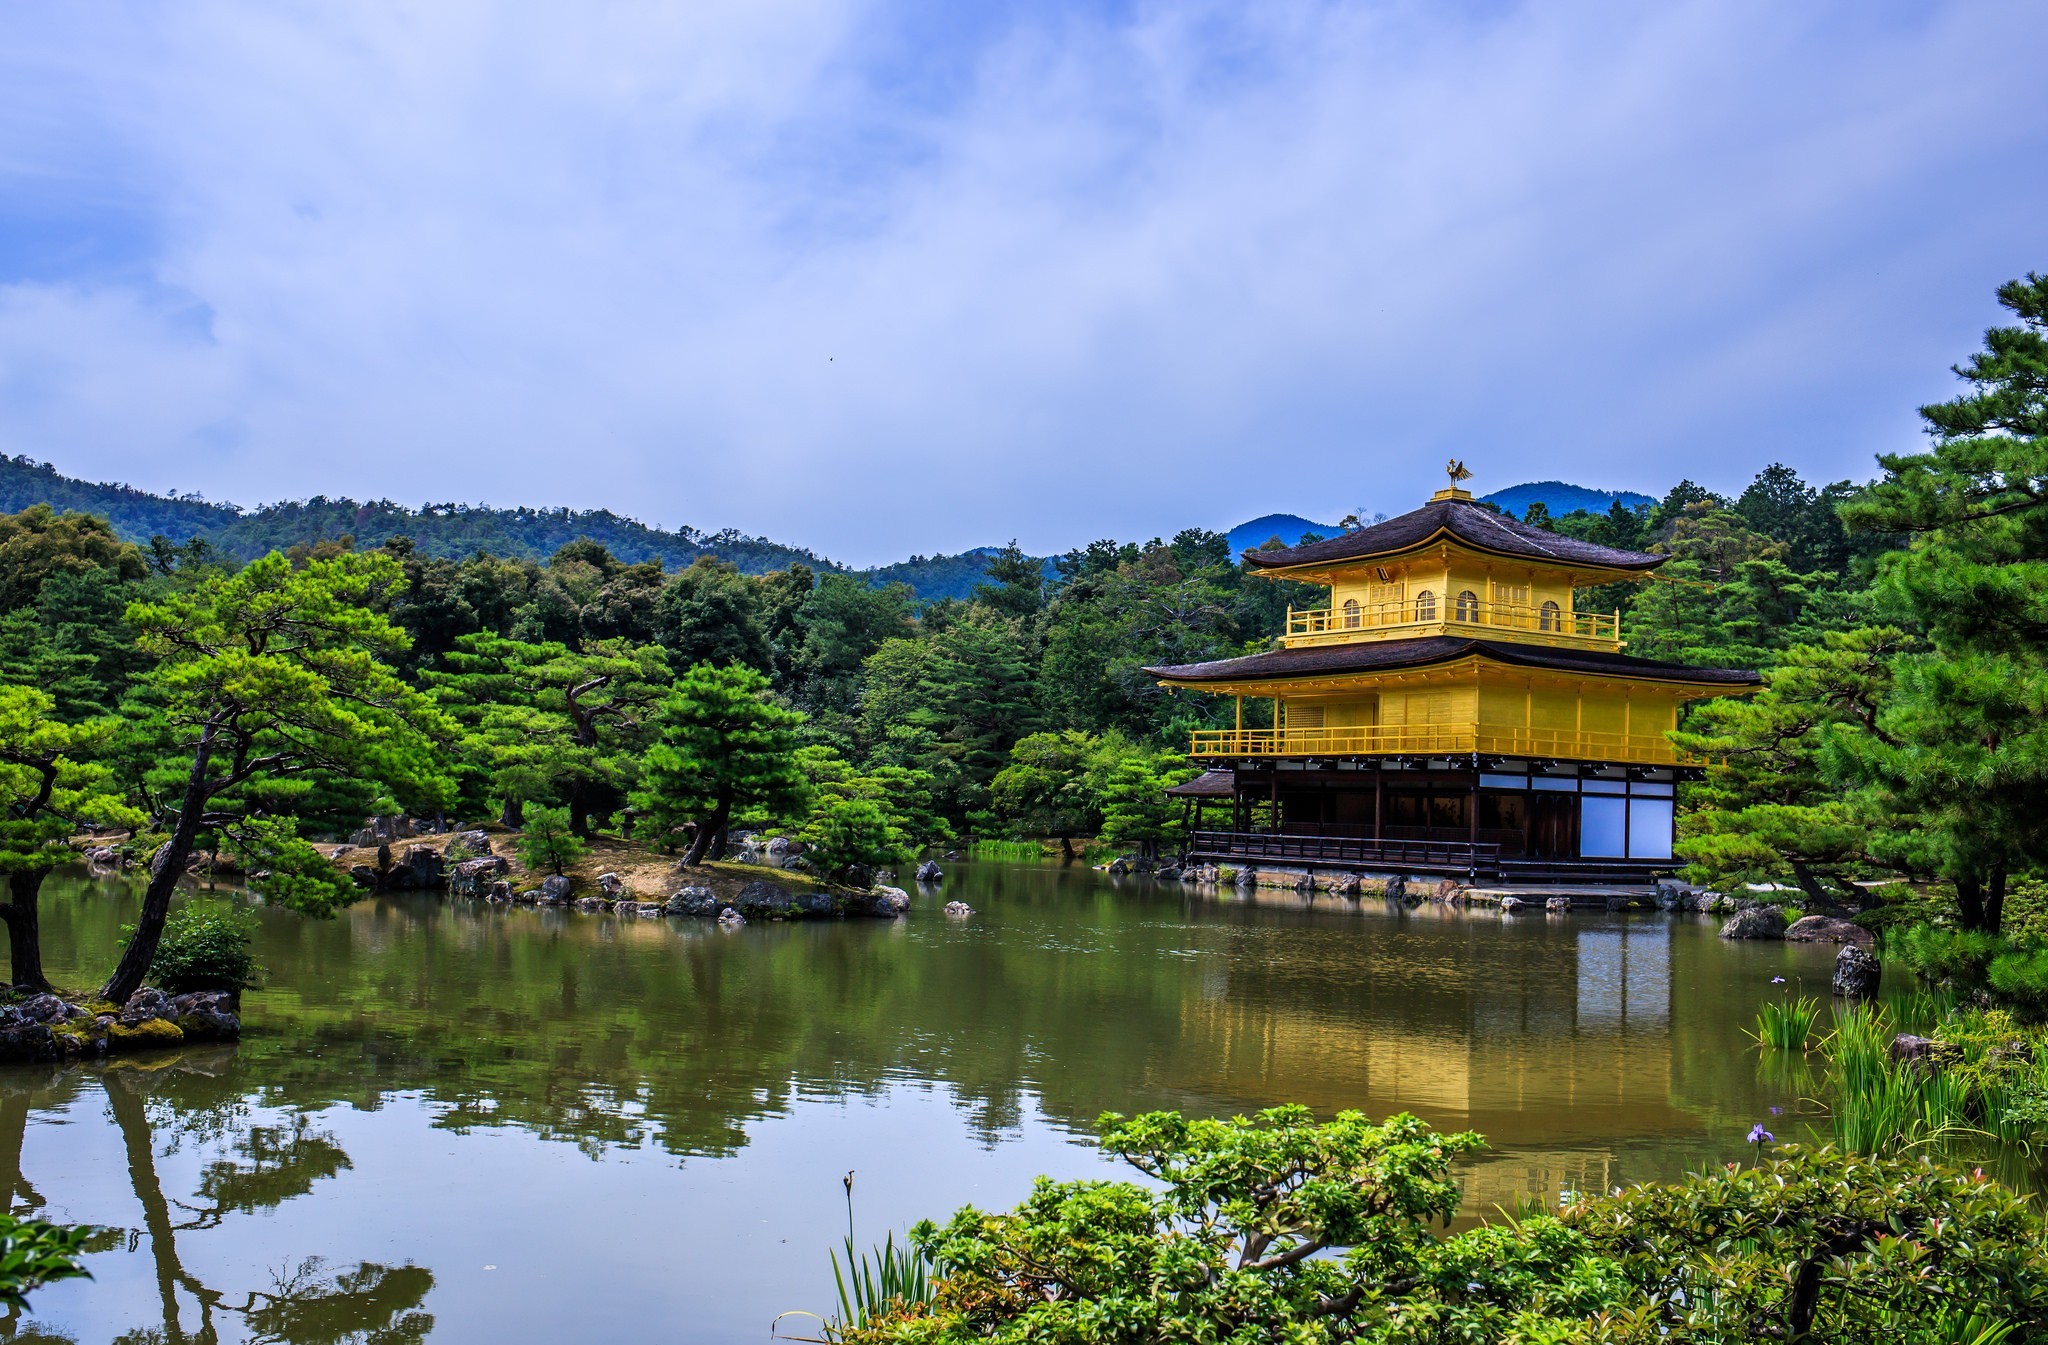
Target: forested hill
(1561, 498)
(456, 531)
(446, 530)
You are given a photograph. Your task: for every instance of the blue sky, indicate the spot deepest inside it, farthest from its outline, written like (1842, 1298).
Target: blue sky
(892, 278)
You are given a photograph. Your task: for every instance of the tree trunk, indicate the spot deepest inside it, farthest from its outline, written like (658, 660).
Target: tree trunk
(512, 816)
(165, 871)
(1970, 902)
(1817, 896)
(1994, 900)
(709, 830)
(721, 841)
(24, 934)
(1066, 849)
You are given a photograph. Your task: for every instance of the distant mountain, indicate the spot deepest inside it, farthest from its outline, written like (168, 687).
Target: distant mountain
(458, 530)
(1287, 527)
(1560, 498)
(450, 530)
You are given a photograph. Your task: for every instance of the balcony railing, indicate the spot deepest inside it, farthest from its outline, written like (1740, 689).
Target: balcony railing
(1445, 610)
(1437, 740)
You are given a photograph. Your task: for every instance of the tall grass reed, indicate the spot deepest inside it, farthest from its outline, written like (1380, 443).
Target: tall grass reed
(1786, 1024)
(1876, 1103)
(869, 1283)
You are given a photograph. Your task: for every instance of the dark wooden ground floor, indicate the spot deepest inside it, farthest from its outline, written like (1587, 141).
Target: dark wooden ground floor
(1590, 821)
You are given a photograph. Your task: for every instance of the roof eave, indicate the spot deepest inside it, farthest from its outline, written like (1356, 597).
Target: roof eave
(1278, 569)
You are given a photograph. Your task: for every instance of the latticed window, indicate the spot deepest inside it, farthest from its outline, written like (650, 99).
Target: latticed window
(1468, 606)
(1551, 617)
(1351, 617)
(1425, 606)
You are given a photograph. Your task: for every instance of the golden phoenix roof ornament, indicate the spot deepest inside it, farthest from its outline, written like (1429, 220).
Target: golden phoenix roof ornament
(1457, 471)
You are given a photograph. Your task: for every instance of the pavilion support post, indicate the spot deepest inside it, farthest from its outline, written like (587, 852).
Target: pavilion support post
(1473, 820)
(1379, 796)
(1273, 793)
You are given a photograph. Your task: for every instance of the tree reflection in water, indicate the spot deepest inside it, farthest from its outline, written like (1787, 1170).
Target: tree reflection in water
(262, 1167)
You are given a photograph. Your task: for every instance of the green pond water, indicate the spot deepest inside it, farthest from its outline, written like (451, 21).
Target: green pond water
(460, 1123)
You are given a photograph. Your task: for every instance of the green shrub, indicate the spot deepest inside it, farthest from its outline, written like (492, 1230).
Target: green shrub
(1280, 1228)
(546, 844)
(2021, 980)
(33, 1254)
(1954, 957)
(205, 946)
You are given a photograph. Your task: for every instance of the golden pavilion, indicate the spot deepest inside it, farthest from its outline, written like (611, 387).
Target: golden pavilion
(1450, 710)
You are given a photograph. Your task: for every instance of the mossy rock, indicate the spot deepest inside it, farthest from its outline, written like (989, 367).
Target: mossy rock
(86, 1031)
(148, 1032)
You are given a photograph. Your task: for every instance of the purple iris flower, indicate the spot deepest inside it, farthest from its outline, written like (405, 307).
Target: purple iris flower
(1759, 1135)
(1777, 980)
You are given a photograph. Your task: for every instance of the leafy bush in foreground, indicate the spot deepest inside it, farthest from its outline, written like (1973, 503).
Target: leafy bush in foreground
(1283, 1229)
(33, 1254)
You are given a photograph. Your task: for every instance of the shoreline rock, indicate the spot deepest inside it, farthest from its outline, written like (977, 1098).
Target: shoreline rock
(46, 1027)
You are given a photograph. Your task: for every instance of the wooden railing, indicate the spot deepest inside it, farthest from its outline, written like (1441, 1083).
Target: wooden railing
(1436, 740)
(1440, 856)
(1445, 609)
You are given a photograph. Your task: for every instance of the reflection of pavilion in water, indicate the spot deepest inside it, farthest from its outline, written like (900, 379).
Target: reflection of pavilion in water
(1548, 1042)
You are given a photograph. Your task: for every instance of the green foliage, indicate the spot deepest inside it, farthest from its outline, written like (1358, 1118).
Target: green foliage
(872, 1288)
(1785, 1025)
(1283, 1229)
(39, 543)
(545, 723)
(34, 1253)
(205, 946)
(288, 871)
(2019, 978)
(266, 682)
(841, 832)
(1963, 744)
(49, 783)
(724, 747)
(1770, 809)
(549, 843)
(1053, 784)
(1135, 809)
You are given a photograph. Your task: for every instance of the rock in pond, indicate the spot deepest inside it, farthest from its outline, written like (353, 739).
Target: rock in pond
(888, 901)
(610, 886)
(1827, 929)
(730, 919)
(1346, 885)
(1856, 973)
(1510, 905)
(930, 872)
(476, 842)
(1167, 873)
(693, 901)
(1558, 905)
(1758, 922)
(472, 876)
(554, 890)
(43, 1008)
(959, 910)
(763, 898)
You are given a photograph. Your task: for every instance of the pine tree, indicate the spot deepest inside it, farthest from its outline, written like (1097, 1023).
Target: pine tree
(723, 746)
(268, 675)
(1963, 741)
(50, 785)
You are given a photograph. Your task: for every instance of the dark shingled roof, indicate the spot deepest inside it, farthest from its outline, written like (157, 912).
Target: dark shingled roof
(1470, 524)
(1322, 660)
(1207, 785)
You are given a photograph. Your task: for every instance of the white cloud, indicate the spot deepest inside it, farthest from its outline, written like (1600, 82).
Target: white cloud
(817, 272)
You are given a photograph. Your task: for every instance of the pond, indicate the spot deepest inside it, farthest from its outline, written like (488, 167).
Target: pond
(467, 1123)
